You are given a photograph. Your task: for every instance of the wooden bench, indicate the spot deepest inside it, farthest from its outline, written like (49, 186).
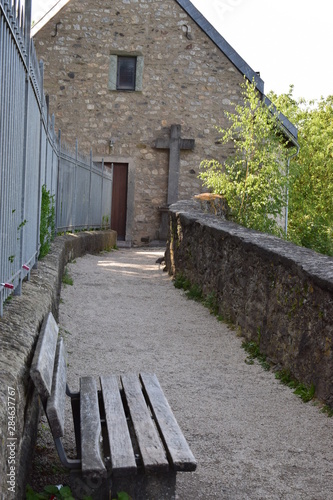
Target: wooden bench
(127, 438)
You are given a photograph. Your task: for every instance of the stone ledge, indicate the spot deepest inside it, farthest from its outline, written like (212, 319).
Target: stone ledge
(319, 267)
(276, 293)
(19, 328)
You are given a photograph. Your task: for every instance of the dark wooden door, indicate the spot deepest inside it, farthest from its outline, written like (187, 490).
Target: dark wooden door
(119, 199)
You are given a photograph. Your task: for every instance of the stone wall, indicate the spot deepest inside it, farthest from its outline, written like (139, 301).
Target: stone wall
(19, 328)
(276, 293)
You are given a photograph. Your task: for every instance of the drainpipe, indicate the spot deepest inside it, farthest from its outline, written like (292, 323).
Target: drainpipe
(287, 203)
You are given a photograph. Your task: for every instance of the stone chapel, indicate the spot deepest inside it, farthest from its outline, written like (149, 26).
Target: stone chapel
(144, 83)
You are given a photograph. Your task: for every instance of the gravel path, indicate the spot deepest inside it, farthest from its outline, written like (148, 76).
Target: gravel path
(252, 437)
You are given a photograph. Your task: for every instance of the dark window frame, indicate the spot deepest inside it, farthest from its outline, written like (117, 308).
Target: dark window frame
(126, 81)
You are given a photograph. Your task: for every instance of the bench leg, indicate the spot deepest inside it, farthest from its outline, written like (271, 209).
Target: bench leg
(96, 488)
(144, 487)
(75, 402)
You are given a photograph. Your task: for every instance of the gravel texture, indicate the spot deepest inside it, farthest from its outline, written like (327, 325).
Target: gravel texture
(252, 437)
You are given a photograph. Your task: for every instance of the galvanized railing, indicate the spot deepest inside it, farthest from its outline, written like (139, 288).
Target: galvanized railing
(31, 155)
(83, 194)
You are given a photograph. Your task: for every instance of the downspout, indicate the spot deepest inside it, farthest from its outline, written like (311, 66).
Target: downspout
(287, 193)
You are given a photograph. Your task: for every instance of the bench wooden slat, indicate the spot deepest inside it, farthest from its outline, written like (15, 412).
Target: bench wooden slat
(91, 430)
(152, 451)
(178, 450)
(121, 449)
(55, 409)
(42, 365)
(151, 430)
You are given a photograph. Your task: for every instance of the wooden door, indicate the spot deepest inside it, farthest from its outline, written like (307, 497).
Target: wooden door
(119, 199)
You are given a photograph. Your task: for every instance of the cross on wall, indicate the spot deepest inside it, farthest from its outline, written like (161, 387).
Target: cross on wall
(175, 144)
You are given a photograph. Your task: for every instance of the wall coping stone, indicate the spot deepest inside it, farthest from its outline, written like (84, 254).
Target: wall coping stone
(317, 266)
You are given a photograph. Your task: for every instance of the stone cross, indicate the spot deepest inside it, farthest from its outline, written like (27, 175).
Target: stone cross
(175, 144)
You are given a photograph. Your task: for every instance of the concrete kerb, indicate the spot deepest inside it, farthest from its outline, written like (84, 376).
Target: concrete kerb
(19, 329)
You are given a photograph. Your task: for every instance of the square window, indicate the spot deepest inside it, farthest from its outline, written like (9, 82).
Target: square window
(126, 72)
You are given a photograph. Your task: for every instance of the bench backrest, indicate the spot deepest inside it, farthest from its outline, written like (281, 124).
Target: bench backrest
(48, 372)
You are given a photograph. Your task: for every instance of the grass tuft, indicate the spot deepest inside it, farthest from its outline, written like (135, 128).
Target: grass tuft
(66, 278)
(253, 351)
(305, 392)
(328, 410)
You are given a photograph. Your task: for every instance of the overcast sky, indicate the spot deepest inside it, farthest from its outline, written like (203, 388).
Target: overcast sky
(288, 41)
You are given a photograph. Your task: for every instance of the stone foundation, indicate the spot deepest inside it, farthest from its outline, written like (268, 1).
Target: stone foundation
(276, 293)
(19, 329)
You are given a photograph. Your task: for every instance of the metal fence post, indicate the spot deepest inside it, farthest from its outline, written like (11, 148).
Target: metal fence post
(41, 67)
(22, 229)
(27, 27)
(101, 218)
(58, 183)
(111, 195)
(75, 187)
(53, 151)
(90, 180)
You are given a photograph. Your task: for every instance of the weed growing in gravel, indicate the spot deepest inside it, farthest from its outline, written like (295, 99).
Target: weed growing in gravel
(122, 496)
(304, 392)
(64, 333)
(66, 278)
(253, 351)
(63, 493)
(328, 410)
(195, 293)
(211, 303)
(181, 282)
(109, 249)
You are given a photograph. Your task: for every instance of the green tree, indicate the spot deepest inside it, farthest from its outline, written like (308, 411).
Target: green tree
(311, 186)
(253, 179)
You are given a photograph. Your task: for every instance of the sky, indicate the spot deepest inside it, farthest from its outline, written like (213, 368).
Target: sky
(287, 41)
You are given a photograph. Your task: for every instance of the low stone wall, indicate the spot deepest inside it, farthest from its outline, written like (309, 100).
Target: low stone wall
(19, 329)
(276, 293)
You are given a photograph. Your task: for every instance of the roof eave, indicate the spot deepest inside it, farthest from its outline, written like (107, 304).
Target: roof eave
(290, 129)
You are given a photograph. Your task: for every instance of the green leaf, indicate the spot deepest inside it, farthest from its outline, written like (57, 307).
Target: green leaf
(32, 495)
(65, 492)
(123, 496)
(51, 489)
(253, 179)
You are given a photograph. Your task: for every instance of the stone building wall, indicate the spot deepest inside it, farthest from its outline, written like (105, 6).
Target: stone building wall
(186, 80)
(277, 294)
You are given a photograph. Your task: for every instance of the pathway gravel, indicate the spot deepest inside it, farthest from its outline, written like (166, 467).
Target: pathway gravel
(252, 437)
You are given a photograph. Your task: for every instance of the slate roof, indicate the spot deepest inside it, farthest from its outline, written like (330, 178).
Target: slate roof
(235, 58)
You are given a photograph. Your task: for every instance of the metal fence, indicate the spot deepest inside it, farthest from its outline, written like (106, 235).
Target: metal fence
(83, 194)
(32, 155)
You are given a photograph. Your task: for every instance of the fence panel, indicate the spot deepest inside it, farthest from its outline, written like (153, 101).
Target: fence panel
(65, 219)
(31, 194)
(31, 155)
(79, 197)
(12, 140)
